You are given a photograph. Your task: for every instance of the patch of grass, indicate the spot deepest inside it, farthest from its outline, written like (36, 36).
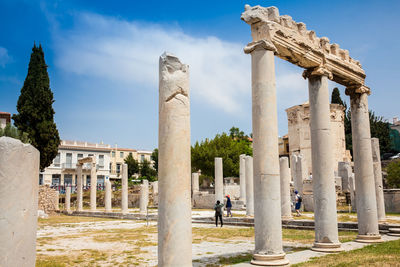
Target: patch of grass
(64, 219)
(346, 218)
(385, 254)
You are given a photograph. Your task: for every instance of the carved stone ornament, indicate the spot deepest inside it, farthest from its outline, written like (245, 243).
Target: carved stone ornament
(318, 71)
(262, 44)
(296, 44)
(357, 89)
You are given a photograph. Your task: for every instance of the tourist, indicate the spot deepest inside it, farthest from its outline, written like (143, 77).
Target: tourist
(218, 212)
(228, 206)
(298, 202)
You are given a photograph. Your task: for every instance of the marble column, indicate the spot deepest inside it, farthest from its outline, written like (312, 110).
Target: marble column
(93, 187)
(345, 171)
(249, 186)
(144, 196)
(380, 200)
(267, 208)
(124, 191)
(242, 177)
(301, 173)
(326, 227)
(19, 172)
(174, 205)
(79, 196)
(195, 182)
(68, 199)
(367, 214)
(286, 209)
(107, 196)
(293, 163)
(219, 180)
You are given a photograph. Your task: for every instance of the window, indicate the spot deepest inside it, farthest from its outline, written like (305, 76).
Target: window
(142, 158)
(130, 153)
(56, 161)
(67, 179)
(101, 161)
(87, 180)
(55, 179)
(121, 154)
(40, 179)
(118, 168)
(113, 154)
(68, 161)
(100, 180)
(80, 156)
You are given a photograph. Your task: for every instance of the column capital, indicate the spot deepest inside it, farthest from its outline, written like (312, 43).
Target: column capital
(262, 44)
(317, 71)
(357, 89)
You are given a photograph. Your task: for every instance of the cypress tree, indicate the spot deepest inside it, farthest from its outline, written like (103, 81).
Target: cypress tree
(35, 112)
(335, 98)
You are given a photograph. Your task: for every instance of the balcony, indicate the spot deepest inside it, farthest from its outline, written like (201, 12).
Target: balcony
(85, 166)
(69, 166)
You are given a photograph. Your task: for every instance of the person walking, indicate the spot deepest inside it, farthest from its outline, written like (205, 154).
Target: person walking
(298, 201)
(218, 212)
(228, 206)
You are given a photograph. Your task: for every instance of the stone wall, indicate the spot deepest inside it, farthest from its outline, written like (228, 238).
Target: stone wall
(233, 190)
(392, 200)
(300, 137)
(203, 200)
(48, 199)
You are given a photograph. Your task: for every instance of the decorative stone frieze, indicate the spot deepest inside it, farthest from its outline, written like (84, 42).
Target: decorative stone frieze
(295, 43)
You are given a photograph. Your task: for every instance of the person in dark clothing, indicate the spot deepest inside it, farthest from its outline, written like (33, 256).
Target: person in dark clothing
(218, 212)
(228, 206)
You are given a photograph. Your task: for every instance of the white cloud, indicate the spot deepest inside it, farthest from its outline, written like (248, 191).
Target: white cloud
(127, 53)
(4, 57)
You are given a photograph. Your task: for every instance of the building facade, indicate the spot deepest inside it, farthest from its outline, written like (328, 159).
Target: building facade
(5, 118)
(63, 169)
(300, 136)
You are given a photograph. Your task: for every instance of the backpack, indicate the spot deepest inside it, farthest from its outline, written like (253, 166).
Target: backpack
(218, 209)
(299, 199)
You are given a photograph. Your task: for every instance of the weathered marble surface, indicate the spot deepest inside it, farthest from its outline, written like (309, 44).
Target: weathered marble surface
(19, 172)
(174, 207)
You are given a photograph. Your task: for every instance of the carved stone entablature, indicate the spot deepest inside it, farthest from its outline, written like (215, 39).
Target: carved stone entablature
(292, 117)
(356, 89)
(302, 47)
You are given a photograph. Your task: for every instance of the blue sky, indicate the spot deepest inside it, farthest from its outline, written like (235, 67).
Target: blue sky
(103, 60)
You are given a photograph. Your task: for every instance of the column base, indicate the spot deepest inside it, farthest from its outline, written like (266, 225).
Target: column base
(287, 218)
(394, 232)
(269, 260)
(327, 247)
(369, 238)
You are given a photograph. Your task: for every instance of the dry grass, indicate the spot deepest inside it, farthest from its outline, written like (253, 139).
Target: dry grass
(65, 219)
(386, 254)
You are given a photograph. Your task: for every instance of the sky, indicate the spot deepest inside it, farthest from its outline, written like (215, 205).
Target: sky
(102, 59)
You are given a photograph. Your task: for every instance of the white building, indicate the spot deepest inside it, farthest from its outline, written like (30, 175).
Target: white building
(63, 169)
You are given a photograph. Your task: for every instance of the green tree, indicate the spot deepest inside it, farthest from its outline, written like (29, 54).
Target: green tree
(224, 146)
(147, 171)
(35, 112)
(335, 97)
(393, 174)
(154, 157)
(133, 165)
(12, 131)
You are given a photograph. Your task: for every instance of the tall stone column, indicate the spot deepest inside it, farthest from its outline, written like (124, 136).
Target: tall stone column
(107, 196)
(174, 207)
(79, 196)
(301, 173)
(267, 212)
(93, 187)
(195, 182)
(124, 193)
(286, 209)
(293, 163)
(144, 196)
(242, 177)
(326, 227)
(380, 199)
(367, 214)
(19, 172)
(219, 180)
(68, 199)
(249, 186)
